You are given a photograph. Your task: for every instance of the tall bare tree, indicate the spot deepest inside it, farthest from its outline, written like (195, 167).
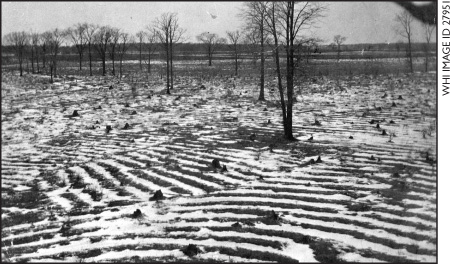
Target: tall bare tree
(429, 29)
(285, 20)
(254, 14)
(77, 35)
(102, 39)
(212, 41)
(125, 40)
(115, 35)
(46, 38)
(18, 40)
(235, 39)
(169, 33)
(404, 20)
(90, 31)
(35, 42)
(151, 37)
(57, 39)
(140, 36)
(337, 41)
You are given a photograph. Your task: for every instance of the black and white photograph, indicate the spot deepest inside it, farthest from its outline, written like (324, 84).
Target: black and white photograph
(251, 131)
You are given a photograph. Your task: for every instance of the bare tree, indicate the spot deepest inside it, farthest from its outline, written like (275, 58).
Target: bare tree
(338, 40)
(251, 40)
(46, 38)
(429, 29)
(57, 39)
(140, 36)
(404, 29)
(125, 40)
(35, 41)
(254, 14)
(102, 39)
(308, 46)
(212, 41)
(90, 31)
(151, 36)
(115, 35)
(169, 33)
(284, 21)
(18, 40)
(235, 38)
(77, 36)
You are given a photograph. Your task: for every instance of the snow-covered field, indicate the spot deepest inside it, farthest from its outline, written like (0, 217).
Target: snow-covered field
(69, 188)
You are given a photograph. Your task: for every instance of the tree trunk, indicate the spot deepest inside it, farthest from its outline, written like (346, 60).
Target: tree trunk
(90, 59)
(209, 59)
(28, 67)
(261, 90)
(81, 56)
(339, 52)
(140, 55)
(148, 68)
(20, 67)
(235, 61)
(171, 65)
(167, 67)
(120, 68)
(410, 54)
(32, 60)
(43, 57)
(114, 68)
(37, 60)
(104, 64)
(280, 85)
(289, 72)
(51, 73)
(54, 66)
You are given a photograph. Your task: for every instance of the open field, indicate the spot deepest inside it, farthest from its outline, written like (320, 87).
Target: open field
(71, 188)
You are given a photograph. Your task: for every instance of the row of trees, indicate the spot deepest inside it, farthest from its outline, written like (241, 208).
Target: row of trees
(46, 46)
(108, 42)
(278, 23)
(112, 43)
(276, 27)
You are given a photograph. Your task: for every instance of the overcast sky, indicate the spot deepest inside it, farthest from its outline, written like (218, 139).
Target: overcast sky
(360, 22)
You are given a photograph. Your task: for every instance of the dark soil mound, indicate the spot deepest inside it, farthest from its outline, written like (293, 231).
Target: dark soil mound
(216, 164)
(136, 214)
(191, 250)
(157, 196)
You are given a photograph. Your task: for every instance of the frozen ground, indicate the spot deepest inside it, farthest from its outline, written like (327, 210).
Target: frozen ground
(69, 188)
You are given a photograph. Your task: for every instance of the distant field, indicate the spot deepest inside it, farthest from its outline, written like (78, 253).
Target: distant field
(347, 190)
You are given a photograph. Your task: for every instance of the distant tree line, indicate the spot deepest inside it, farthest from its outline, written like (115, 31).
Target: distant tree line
(272, 30)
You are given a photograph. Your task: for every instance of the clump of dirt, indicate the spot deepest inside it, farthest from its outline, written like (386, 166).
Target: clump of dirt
(359, 207)
(224, 168)
(136, 214)
(272, 219)
(237, 225)
(191, 250)
(216, 164)
(157, 196)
